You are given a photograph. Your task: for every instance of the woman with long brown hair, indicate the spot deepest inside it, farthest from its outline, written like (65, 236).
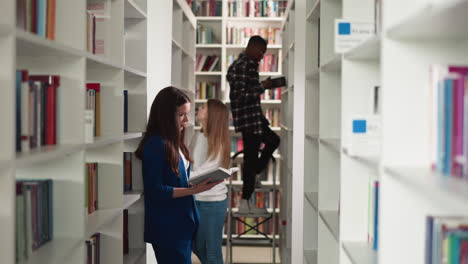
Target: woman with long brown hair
(211, 150)
(171, 217)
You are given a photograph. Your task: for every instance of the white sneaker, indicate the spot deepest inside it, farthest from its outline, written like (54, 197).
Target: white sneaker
(244, 207)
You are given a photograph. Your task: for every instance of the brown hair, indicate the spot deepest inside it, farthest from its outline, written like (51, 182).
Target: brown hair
(163, 121)
(217, 131)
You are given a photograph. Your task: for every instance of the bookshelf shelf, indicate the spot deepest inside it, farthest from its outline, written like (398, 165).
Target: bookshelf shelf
(28, 44)
(134, 256)
(100, 62)
(269, 74)
(131, 72)
(252, 241)
(310, 256)
(132, 135)
(209, 18)
(187, 12)
(209, 46)
(263, 102)
(372, 162)
(209, 73)
(264, 183)
(45, 154)
(288, 50)
(240, 46)
(331, 220)
(312, 137)
(368, 50)
(449, 191)
(433, 21)
(333, 65)
(360, 252)
(254, 19)
(314, 13)
(132, 10)
(100, 218)
(104, 141)
(56, 251)
(312, 198)
(130, 198)
(179, 46)
(251, 236)
(286, 128)
(333, 143)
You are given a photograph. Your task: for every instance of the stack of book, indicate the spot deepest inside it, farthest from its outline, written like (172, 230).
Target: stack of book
(97, 19)
(206, 90)
(36, 110)
(256, 8)
(34, 216)
(449, 94)
(93, 246)
(446, 239)
(204, 35)
(36, 16)
(272, 94)
(207, 63)
(91, 187)
(241, 35)
(127, 171)
(206, 7)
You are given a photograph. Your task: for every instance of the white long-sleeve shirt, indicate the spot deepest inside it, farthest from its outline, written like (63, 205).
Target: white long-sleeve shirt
(199, 148)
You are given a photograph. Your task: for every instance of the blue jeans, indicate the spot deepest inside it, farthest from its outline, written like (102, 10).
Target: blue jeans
(209, 237)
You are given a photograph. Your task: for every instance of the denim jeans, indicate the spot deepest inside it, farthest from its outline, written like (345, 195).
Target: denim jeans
(209, 237)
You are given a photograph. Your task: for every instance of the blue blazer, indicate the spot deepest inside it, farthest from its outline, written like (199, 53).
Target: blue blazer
(167, 220)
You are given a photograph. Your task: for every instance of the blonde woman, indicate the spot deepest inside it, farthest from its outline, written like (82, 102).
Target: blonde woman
(210, 149)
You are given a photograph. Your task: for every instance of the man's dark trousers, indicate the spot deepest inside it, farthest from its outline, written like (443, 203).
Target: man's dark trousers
(253, 164)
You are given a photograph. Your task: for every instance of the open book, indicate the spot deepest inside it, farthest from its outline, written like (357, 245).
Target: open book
(215, 175)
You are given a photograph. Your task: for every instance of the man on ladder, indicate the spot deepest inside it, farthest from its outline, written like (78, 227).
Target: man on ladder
(245, 91)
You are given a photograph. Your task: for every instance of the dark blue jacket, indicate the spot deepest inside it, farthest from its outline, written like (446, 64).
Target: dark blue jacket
(167, 220)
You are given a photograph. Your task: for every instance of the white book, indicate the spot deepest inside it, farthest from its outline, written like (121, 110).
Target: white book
(213, 174)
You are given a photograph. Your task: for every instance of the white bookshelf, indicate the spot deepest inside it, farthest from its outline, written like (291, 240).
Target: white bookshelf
(122, 68)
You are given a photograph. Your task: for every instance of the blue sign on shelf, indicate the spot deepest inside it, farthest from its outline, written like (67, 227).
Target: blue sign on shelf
(344, 28)
(359, 126)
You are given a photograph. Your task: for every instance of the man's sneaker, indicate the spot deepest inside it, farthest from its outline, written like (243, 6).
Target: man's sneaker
(244, 207)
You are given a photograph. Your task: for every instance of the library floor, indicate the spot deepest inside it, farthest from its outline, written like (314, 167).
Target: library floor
(252, 255)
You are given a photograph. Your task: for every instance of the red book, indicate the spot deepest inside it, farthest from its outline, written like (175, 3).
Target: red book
(52, 82)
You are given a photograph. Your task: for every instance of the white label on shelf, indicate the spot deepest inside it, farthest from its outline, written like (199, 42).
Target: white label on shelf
(89, 126)
(350, 34)
(364, 134)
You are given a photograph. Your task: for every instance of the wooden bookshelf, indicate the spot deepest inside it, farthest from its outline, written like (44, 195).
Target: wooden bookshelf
(122, 68)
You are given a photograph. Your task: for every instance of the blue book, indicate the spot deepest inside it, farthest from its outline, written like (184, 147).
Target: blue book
(376, 217)
(429, 237)
(440, 127)
(19, 79)
(41, 17)
(448, 125)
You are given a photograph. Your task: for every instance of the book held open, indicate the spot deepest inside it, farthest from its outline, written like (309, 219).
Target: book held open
(214, 174)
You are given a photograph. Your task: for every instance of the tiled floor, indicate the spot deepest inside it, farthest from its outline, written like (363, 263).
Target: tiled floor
(248, 255)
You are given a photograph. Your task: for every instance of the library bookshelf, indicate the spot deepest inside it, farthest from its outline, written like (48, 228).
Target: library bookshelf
(121, 67)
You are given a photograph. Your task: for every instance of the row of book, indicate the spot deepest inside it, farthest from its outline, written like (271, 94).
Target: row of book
(256, 8)
(34, 216)
(268, 64)
(260, 199)
(273, 115)
(36, 110)
(91, 187)
(244, 224)
(207, 63)
(373, 216)
(37, 16)
(93, 249)
(206, 8)
(127, 171)
(272, 94)
(446, 240)
(449, 101)
(205, 35)
(207, 90)
(241, 35)
(97, 19)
